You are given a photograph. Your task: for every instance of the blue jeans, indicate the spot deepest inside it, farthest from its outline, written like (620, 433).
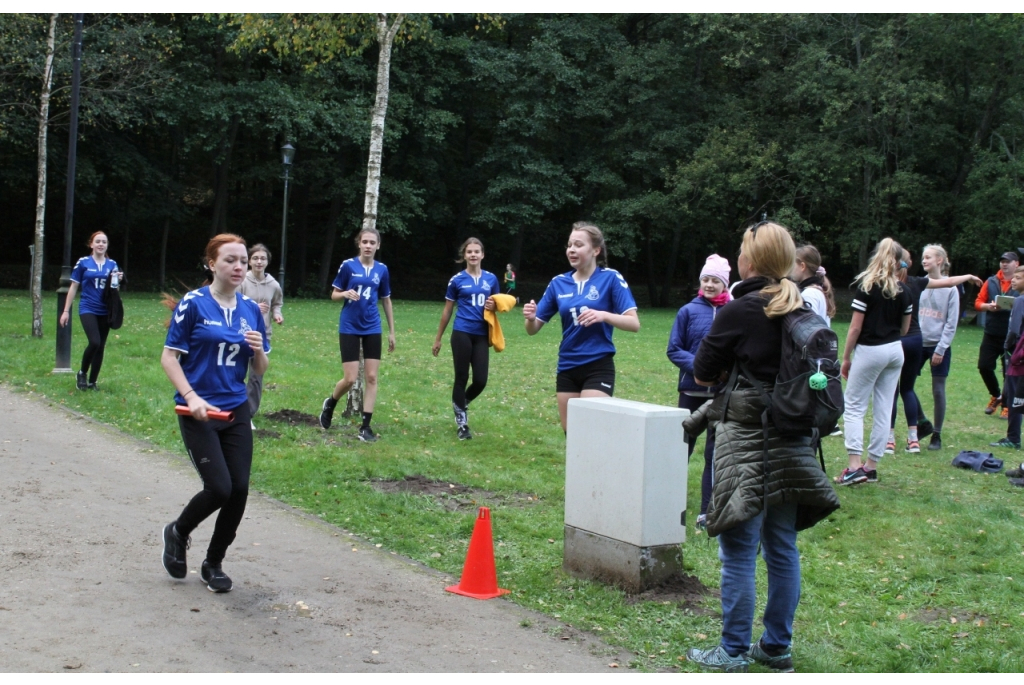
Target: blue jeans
(737, 550)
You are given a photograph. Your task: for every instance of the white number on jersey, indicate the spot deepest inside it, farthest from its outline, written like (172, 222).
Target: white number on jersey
(363, 292)
(232, 352)
(575, 319)
(479, 299)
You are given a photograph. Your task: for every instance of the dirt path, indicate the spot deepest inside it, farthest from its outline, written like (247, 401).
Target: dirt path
(81, 508)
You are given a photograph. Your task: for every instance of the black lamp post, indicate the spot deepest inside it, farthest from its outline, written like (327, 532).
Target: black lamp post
(287, 155)
(63, 353)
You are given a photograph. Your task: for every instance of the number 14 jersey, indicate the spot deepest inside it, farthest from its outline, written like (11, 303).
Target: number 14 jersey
(606, 290)
(361, 317)
(211, 340)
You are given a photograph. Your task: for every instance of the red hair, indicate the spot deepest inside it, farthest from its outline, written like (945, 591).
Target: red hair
(88, 243)
(209, 255)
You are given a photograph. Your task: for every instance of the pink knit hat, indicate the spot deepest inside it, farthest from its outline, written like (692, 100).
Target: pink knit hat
(718, 267)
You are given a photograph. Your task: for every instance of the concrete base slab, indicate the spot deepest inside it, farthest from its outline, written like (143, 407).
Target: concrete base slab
(632, 568)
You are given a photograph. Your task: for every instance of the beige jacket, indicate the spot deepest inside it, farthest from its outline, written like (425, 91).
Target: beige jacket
(268, 290)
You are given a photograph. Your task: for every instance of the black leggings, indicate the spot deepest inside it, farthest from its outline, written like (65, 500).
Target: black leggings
(469, 350)
(222, 454)
(96, 330)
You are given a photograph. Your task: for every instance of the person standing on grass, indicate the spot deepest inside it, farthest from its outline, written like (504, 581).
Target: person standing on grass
(939, 311)
(360, 283)
(214, 335)
(471, 290)
(913, 356)
(1015, 370)
(882, 311)
(93, 274)
(815, 288)
(766, 488)
(510, 280)
(592, 300)
(996, 326)
(265, 291)
(693, 321)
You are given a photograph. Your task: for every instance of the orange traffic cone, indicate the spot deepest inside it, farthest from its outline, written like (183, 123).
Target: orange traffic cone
(479, 577)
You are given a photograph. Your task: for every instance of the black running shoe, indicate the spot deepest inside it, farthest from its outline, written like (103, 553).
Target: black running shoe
(327, 413)
(1016, 473)
(366, 434)
(780, 663)
(81, 380)
(464, 433)
(872, 476)
(936, 443)
(924, 429)
(174, 552)
(92, 386)
(1017, 482)
(214, 577)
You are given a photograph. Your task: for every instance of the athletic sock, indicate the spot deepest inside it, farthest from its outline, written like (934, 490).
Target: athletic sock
(367, 415)
(892, 435)
(912, 434)
(331, 402)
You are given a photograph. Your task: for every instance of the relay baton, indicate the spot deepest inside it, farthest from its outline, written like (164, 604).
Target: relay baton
(218, 415)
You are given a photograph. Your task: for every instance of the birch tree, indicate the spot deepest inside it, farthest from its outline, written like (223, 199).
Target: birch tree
(40, 232)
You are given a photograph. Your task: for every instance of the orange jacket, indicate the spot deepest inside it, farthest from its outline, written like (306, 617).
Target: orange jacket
(983, 295)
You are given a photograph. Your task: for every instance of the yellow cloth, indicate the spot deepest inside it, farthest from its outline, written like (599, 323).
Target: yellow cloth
(502, 303)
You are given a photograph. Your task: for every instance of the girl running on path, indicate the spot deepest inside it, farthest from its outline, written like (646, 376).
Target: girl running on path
(214, 334)
(470, 290)
(913, 356)
(93, 274)
(814, 285)
(265, 291)
(591, 300)
(361, 282)
(692, 324)
(939, 312)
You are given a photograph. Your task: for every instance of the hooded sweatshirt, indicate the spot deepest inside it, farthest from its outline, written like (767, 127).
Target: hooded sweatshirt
(268, 290)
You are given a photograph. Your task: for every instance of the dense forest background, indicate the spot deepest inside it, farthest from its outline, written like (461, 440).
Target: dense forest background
(671, 132)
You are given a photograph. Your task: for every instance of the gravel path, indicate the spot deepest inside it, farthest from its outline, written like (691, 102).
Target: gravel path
(81, 508)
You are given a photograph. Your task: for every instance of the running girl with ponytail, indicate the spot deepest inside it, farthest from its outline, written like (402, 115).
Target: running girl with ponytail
(215, 335)
(471, 289)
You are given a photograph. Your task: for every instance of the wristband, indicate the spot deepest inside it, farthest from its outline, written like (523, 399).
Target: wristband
(186, 394)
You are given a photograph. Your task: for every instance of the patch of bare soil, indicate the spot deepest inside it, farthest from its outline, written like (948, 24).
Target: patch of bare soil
(452, 496)
(263, 433)
(684, 590)
(294, 418)
(952, 616)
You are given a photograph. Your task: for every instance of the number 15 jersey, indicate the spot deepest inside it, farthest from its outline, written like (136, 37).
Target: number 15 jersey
(211, 340)
(605, 290)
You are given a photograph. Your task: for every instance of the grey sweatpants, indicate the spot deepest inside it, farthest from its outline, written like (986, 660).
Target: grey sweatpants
(874, 374)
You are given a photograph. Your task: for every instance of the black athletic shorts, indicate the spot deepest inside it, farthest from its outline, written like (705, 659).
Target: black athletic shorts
(595, 375)
(349, 345)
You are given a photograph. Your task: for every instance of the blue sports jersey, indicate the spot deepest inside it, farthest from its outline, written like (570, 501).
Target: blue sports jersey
(469, 295)
(361, 317)
(92, 281)
(607, 291)
(211, 339)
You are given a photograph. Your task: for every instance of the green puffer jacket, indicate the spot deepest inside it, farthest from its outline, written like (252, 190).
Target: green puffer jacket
(794, 474)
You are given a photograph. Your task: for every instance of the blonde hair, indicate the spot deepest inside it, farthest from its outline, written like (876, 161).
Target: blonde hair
(809, 255)
(596, 239)
(464, 245)
(941, 252)
(769, 248)
(883, 269)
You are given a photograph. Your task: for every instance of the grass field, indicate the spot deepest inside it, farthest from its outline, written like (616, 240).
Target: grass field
(921, 572)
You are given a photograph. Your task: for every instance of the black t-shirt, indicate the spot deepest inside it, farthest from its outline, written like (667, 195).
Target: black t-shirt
(915, 285)
(741, 331)
(882, 316)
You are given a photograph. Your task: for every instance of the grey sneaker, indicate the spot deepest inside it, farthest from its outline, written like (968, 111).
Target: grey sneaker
(1005, 442)
(718, 659)
(464, 433)
(781, 663)
(81, 380)
(366, 434)
(214, 577)
(327, 413)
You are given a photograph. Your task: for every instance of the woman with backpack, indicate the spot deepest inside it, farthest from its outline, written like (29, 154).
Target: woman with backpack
(693, 321)
(764, 490)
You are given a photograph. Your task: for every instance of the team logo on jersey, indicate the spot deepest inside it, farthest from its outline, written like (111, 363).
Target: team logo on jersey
(592, 294)
(376, 279)
(244, 326)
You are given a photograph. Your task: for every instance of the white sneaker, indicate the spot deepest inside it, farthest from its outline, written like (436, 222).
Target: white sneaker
(251, 423)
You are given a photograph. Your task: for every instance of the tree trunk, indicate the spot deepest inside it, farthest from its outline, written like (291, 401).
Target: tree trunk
(652, 284)
(301, 235)
(385, 38)
(670, 270)
(329, 237)
(219, 223)
(163, 252)
(44, 121)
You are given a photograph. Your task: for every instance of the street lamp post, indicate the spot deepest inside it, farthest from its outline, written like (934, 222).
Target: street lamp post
(287, 155)
(63, 356)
